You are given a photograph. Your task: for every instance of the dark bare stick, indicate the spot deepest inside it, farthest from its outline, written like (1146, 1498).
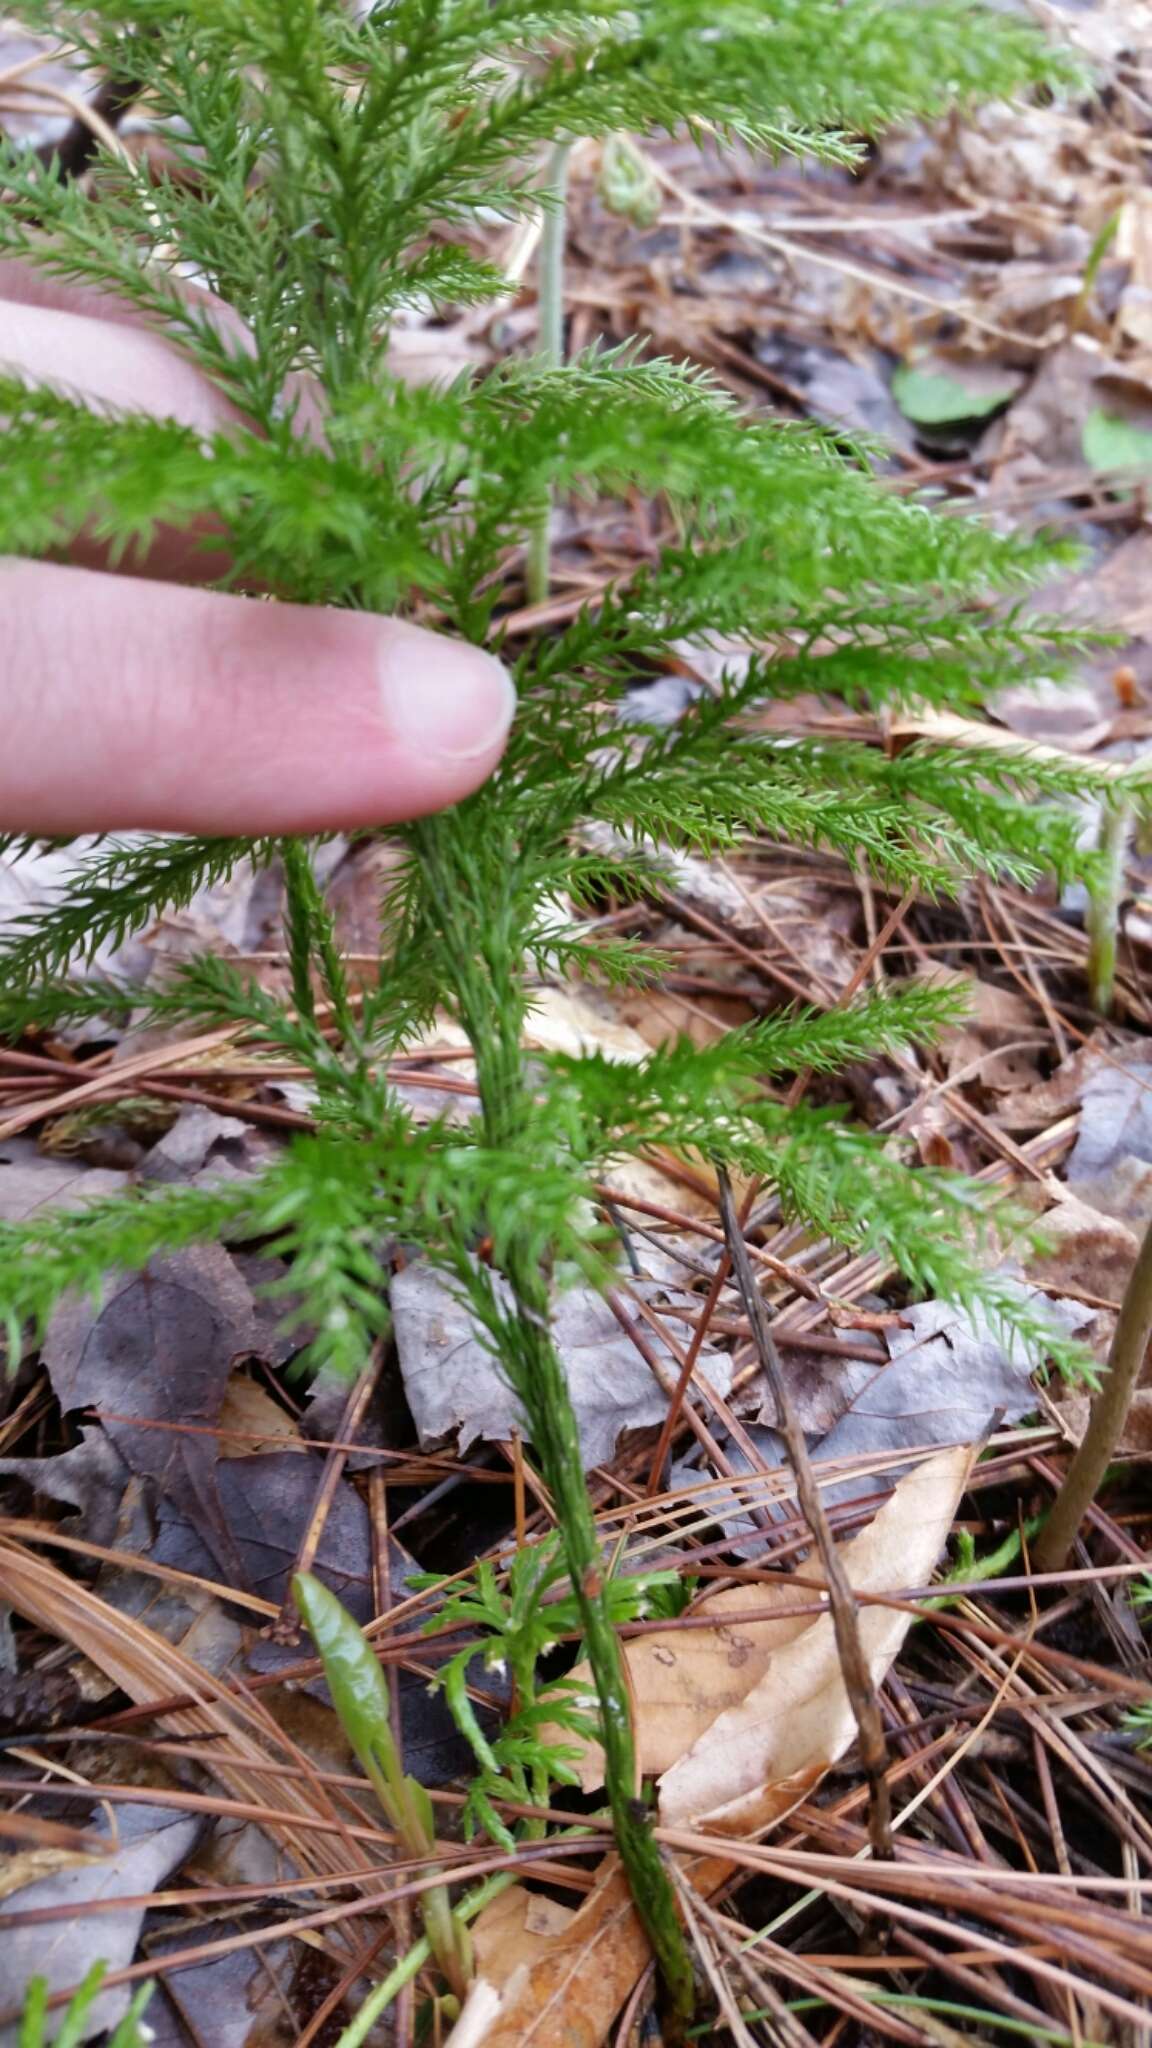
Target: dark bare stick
(854, 1664)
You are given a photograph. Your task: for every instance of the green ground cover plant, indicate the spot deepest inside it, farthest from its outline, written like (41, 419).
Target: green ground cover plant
(326, 173)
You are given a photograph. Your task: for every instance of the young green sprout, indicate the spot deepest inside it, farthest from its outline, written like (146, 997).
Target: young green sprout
(37, 2030)
(1104, 899)
(360, 1697)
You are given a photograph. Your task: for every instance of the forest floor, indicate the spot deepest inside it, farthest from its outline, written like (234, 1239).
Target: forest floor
(178, 1798)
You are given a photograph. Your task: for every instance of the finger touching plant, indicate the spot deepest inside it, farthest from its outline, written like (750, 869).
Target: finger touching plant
(326, 173)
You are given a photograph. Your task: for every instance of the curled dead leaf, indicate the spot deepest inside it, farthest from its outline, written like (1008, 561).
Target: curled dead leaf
(758, 1759)
(563, 1989)
(682, 1679)
(560, 1983)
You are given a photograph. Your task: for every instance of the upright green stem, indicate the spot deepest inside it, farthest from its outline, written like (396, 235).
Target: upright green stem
(550, 298)
(312, 939)
(1106, 1419)
(542, 1386)
(1104, 904)
(298, 881)
(481, 943)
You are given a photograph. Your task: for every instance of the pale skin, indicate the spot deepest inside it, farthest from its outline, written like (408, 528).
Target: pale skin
(142, 701)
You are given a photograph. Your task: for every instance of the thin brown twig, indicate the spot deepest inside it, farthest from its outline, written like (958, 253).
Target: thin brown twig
(286, 1627)
(841, 1600)
(696, 1345)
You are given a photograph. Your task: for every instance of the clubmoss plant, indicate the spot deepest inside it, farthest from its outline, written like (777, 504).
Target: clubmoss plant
(326, 172)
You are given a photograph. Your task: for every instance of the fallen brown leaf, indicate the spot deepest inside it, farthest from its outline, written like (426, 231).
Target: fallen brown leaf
(560, 1984)
(1091, 1253)
(1043, 1102)
(251, 1422)
(682, 1679)
(1136, 1435)
(758, 1759)
(564, 1989)
(947, 729)
(986, 1044)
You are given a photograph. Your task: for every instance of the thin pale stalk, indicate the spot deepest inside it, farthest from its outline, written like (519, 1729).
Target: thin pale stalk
(1107, 1416)
(550, 298)
(413, 1961)
(1104, 905)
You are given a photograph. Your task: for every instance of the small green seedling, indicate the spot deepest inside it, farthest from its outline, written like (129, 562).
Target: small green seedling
(360, 1697)
(37, 2029)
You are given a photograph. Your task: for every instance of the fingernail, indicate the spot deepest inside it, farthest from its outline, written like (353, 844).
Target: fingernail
(455, 705)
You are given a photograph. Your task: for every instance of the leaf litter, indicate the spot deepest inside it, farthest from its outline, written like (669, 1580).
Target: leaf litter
(163, 1436)
(150, 1844)
(455, 1389)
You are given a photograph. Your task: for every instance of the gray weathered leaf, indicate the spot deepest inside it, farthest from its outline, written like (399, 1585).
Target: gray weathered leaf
(454, 1386)
(153, 1842)
(196, 1135)
(1111, 1163)
(947, 1376)
(31, 1180)
(90, 1477)
(156, 1352)
(950, 1372)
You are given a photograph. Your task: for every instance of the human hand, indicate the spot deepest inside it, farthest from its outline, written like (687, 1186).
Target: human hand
(126, 701)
